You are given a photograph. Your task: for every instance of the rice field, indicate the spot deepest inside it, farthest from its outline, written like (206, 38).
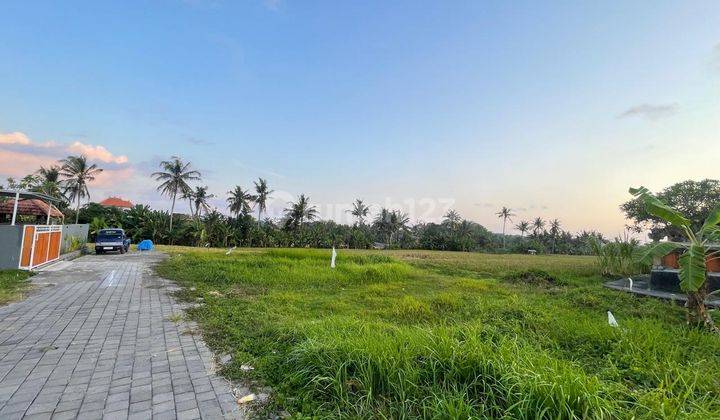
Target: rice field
(406, 334)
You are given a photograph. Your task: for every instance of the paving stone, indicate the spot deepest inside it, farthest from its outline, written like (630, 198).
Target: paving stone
(189, 414)
(108, 348)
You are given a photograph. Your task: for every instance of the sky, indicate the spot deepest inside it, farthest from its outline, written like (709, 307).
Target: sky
(552, 109)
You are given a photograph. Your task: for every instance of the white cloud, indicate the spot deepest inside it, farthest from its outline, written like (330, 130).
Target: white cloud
(96, 152)
(650, 111)
(15, 137)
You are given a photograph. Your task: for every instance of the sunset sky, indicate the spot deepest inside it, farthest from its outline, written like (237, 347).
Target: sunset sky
(551, 108)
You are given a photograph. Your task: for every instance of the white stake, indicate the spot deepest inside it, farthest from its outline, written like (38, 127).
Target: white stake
(611, 320)
(332, 259)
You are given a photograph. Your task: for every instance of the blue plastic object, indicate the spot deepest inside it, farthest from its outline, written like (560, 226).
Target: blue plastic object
(145, 245)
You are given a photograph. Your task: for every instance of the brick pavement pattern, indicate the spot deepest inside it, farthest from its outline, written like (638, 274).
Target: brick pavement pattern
(102, 338)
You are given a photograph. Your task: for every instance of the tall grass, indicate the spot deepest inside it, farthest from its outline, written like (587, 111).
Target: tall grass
(444, 336)
(616, 258)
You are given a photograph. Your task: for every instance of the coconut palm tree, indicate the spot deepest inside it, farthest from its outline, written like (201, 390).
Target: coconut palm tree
(300, 212)
(48, 182)
(200, 199)
(523, 227)
(51, 174)
(398, 222)
(77, 173)
(452, 219)
(190, 197)
(390, 222)
(263, 193)
(360, 210)
(537, 226)
(554, 231)
(382, 223)
(174, 178)
(505, 214)
(239, 201)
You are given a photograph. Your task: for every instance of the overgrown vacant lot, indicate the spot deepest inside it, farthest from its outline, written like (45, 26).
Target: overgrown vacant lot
(13, 284)
(432, 334)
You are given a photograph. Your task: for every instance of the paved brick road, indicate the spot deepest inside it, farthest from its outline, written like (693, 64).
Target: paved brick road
(102, 342)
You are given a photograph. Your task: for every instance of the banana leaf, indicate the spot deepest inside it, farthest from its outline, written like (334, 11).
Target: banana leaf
(692, 268)
(657, 208)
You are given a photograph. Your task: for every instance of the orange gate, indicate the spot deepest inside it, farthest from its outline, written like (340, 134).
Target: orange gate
(40, 245)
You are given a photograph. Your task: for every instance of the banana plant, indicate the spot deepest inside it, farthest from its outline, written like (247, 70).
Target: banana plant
(695, 252)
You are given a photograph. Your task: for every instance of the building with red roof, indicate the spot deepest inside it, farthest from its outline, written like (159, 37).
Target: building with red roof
(116, 202)
(30, 207)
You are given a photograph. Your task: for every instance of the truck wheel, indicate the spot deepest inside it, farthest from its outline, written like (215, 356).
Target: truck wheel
(122, 249)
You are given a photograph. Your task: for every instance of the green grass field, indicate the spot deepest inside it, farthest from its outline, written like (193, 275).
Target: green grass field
(13, 285)
(403, 334)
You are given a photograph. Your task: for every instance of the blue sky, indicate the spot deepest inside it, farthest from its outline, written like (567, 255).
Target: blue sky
(551, 108)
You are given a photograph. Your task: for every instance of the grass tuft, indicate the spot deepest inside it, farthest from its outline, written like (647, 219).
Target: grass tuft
(13, 285)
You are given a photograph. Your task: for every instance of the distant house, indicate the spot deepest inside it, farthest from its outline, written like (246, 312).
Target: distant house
(117, 203)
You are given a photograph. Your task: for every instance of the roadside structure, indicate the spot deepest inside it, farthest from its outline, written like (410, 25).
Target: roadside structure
(116, 202)
(29, 242)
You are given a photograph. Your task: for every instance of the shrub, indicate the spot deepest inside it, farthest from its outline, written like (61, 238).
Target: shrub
(534, 277)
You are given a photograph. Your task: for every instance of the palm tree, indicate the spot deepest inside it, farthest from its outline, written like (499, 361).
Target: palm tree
(174, 178)
(505, 214)
(554, 231)
(239, 201)
(452, 218)
(360, 210)
(390, 222)
(382, 223)
(263, 192)
(398, 222)
(200, 198)
(48, 181)
(300, 211)
(190, 197)
(78, 173)
(537, 225)
(523, 227)
(51, 174)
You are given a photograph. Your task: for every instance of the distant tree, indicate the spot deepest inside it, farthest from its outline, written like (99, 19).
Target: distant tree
(174, 177)
(300, 212)
(555, 230)
(523, 227)
(452, 219)
(538, 225)
(390, 223)
(505, 214)
(77, 173)
(200, 199)
(360, 210)
(695, 199)
(239, 201)
(262, 194)
(399, 222)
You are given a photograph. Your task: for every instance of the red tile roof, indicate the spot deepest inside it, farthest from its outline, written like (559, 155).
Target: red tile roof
(116, 202)
(32, 206)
